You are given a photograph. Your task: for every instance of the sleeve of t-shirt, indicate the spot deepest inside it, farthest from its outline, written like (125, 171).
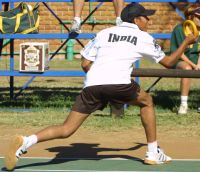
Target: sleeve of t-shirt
(149, 49)
(89, 52)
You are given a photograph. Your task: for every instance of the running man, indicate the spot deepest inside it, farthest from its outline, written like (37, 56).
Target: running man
(108, 62)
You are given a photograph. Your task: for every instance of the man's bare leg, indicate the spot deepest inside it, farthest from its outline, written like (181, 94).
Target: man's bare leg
(20, 144)
(154, 154)
(145, 102)
(71, 124)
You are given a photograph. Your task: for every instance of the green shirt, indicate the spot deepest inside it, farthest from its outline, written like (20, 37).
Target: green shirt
(192, 52)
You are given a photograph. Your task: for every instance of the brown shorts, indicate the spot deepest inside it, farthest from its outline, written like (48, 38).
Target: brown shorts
(97, 97)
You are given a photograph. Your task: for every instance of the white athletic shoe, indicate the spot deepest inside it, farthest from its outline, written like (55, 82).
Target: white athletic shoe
(17, 147)
(159, 157)
(76, 27)
(118, 21)
(198, 110)
(183, 109)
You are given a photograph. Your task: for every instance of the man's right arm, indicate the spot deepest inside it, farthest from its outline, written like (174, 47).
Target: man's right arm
(169, 61)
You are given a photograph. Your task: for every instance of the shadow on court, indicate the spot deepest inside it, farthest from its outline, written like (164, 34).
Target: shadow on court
(82, 151)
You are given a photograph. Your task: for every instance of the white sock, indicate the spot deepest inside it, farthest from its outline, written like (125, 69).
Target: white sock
(152, 147)
(184, 100)
(31, 140)
(78, 19)
(118, 18)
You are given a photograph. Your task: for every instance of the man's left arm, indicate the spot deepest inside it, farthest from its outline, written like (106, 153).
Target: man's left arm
(86, 64)
(89, 54)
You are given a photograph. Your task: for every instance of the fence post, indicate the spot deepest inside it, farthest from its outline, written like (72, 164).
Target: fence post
(70, 50)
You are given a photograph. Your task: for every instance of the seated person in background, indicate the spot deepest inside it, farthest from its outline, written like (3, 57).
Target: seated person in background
(78, 7)
(190, 59)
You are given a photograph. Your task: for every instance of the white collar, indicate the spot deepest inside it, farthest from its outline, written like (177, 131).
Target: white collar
(132, 25)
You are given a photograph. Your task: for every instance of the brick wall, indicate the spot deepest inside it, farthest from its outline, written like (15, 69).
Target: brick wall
(162, 22)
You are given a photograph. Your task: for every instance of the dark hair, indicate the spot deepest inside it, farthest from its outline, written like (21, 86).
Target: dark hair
(190, 10)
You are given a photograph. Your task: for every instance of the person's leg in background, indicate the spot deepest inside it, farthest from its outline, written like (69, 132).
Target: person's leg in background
(78, 8)
(184, 88)
(118, 6)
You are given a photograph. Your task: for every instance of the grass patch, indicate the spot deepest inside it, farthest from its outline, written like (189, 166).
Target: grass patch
(167, 122)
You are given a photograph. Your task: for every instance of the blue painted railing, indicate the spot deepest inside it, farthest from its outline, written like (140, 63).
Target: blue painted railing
(48, 73)
(67, 36)
(192, 1)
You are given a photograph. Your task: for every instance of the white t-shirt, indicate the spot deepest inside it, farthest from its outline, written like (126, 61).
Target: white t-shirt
(113, 52)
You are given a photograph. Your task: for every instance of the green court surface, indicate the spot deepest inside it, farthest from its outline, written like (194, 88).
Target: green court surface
(101, 165)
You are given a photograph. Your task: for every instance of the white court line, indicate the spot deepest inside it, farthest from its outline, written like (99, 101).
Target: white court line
(51, 158)
(185, 159)
(82, 170)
